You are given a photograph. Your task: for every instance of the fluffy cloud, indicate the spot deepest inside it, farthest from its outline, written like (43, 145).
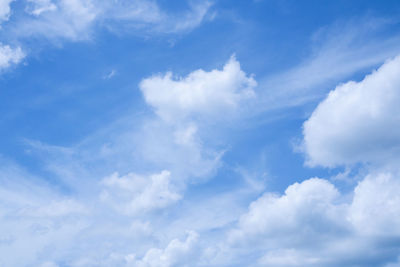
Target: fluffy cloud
(9, 56)
(375, 209)
(185, 107)
(132, 193)
(199, 93)
(305, 211)
(358, 121)
(5, 9)
(312, 224)
(175, 254)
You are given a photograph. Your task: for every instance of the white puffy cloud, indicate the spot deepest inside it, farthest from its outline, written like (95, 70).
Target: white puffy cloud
(313, 224)
(5, 9)
(305, 211)
(175, 254)
(375, 209)
(199, 93)
(358, 121)
(185, 107)
(9, 56)
(132, 193)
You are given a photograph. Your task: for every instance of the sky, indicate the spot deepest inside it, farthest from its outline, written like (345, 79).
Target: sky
(157, 133)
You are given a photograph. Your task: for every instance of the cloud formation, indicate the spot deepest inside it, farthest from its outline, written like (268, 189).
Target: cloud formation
(5, 10)
(313, 224)
(199, 93)
(358, 121)
(10, 56)
(58, 21)
(175, 254)
(132, 193)
(76, 20)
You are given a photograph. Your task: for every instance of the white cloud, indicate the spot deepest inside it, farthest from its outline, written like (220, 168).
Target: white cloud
(375, 209)
(175, 254)
(338, 51)
(143, 15)
(313, 224)
(9, 56)
(76, 19)
(305, 211)
(132, 193)
(200, 93)
(5, 10)
(358, 121)
(54, 20)
(37, 7)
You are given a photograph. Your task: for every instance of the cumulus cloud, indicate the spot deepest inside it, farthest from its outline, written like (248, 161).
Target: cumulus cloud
(375, 209)
(199, 93)
(358, 121)
(305, 212)
(175, 254)
(132, 193)
(185, 107)
(10, 56)
(313, 224)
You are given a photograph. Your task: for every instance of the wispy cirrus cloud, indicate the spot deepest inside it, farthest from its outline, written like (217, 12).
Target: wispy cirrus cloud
(338, 51)
(127, 185)
(58, 21)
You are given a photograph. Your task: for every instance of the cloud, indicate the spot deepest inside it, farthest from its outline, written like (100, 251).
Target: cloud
(375, 209)
(55, 20)
(76, 20)
(146, 16)
(337, 52)
(55, 228)
(199, 93)
(37, 7)
(358, 121)
(313, 224)
(175, 254)
(132, 193)
(5, 10)
(305, 211)
(33, 217)
(10, 56)
(58, 21)
(126, 218)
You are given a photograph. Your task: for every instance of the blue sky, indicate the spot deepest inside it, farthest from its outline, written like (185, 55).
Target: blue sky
(199, 133)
